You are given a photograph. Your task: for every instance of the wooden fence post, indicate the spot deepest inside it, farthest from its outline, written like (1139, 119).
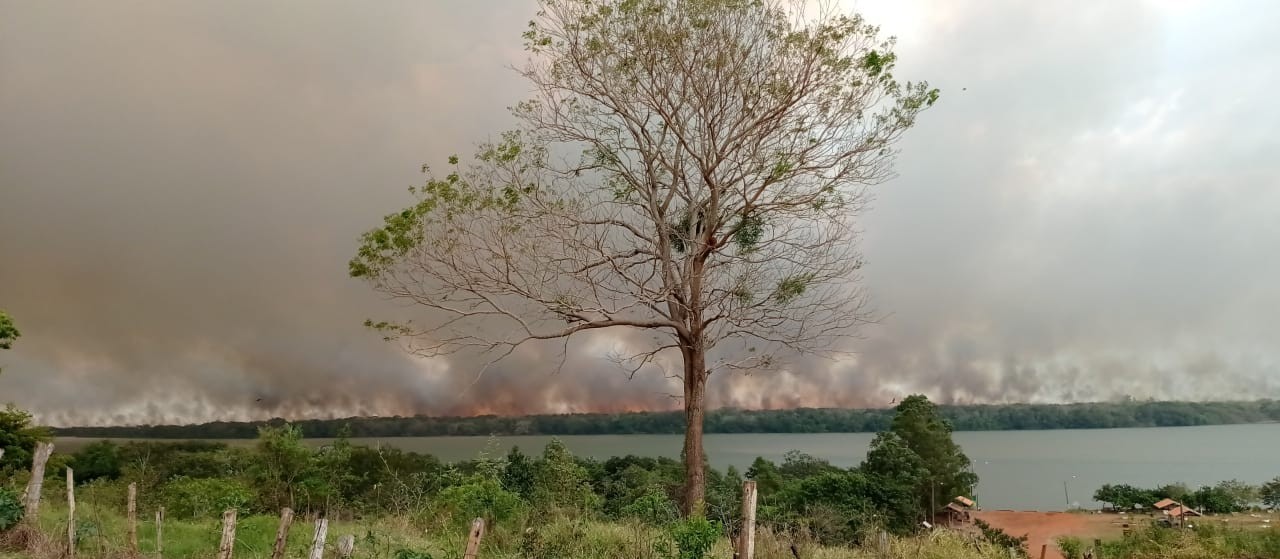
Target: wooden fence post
(282, 533)
(882, 543)
(160, 531)
(36, 483)
(133, 517)
(71, 513)
(346, 546)
(228, 543)
(473, 539)
(317, 545)
(1044, 548)
(747, 536)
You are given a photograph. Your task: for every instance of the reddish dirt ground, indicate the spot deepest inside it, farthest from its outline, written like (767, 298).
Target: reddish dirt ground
(1043, 528)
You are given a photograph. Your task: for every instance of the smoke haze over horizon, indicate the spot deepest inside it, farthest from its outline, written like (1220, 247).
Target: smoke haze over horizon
(1092, 210)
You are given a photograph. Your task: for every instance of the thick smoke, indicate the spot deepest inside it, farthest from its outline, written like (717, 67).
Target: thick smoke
(1093, 210)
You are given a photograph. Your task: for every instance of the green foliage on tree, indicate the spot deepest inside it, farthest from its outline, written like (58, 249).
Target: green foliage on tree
(621, 480)
(1002, 539)
(1270, 493)
(1214, 499)
(560, 482)
(1175, 491)
(766, 475)
(654, 508)
(898, 473)
(1241, 495)
(18, 438)
(8, 331)
(947, 471)
(10, 509)
(98, 460)
(283, 463)
(1224, 497)
(518, 474)
(1125, 497)
(796, 464)
(480, 497)
(186, 497)
(693, 537)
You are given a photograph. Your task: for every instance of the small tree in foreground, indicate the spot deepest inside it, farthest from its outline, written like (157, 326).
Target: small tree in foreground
(725, 148)
(1270, 493)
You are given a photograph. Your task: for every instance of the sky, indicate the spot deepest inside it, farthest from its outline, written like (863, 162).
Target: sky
(1091, 211)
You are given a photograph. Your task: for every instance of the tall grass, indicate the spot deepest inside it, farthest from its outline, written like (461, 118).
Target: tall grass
(1205, 541)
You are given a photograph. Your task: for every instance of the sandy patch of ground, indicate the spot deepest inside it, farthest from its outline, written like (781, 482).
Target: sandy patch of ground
(1044, 528)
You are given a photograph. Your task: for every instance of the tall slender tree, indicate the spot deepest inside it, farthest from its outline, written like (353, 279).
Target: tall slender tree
(692, 168)
(947, 472)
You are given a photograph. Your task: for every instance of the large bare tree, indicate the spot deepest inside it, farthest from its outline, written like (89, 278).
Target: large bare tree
(693, 168)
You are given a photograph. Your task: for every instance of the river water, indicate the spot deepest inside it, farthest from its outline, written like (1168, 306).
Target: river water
(1023, 470)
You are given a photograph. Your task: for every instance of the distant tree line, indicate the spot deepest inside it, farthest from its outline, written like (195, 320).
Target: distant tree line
(730, 420)
(1225, 497)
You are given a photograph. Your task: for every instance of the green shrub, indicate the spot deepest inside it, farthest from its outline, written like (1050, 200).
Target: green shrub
(480, 498)
(192, 498)
(86, 530)
(560, 483)
(1072, 548)
(693, 537)
(653, 508)
(10, 510)
(1001, 539)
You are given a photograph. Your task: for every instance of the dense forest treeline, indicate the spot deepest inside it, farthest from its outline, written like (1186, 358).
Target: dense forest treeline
(729, 420)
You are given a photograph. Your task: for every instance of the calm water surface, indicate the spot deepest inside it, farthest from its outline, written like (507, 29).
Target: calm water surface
(1031, 470)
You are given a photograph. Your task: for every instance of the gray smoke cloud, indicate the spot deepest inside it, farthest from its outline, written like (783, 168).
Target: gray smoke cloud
(1092, 210)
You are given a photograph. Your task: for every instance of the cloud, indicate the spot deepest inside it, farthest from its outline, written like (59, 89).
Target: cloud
(1092, 210)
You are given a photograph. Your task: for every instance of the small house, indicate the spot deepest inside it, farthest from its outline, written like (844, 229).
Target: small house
(957, 511)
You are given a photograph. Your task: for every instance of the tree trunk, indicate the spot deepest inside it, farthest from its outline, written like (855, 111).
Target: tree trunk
(695, 392)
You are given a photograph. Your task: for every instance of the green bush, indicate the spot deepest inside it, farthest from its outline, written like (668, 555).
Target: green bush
(1072, 548)
(693, 537)
(10, 510)
(193, 498)
(86, 530)
(1002, 539)
(560, 483)
(480, 498)
(653, 508)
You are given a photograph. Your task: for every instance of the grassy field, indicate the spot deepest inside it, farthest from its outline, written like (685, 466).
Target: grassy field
(102, 533)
